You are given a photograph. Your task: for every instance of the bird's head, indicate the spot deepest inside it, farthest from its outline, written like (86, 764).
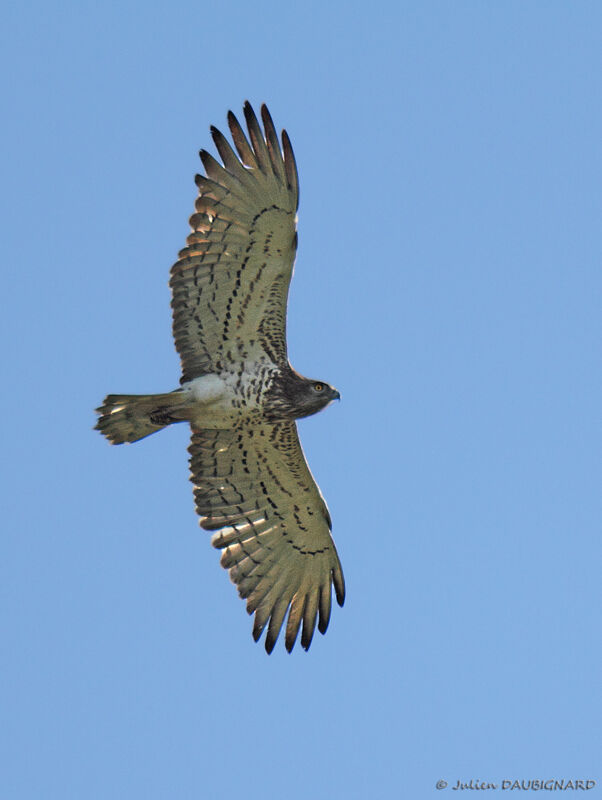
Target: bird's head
(292, 396)
(314, 396)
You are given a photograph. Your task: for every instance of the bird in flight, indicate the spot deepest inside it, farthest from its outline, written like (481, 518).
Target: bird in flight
(238, 391)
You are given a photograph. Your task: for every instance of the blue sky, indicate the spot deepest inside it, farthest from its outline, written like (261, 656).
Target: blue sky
(448, 282)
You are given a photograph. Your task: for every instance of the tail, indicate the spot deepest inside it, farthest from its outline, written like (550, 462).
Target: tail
(130, 417)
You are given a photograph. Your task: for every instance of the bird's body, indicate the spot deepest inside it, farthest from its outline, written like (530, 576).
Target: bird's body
(238, 390)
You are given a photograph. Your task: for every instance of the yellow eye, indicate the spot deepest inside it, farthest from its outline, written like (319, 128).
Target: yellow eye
(319, 387)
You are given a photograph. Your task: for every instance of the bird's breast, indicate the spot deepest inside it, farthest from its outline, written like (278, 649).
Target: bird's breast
(223, 399)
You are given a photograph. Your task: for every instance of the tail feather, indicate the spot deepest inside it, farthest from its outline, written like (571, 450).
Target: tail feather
(130, 417)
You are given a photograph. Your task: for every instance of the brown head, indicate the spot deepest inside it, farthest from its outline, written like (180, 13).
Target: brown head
(291, 396)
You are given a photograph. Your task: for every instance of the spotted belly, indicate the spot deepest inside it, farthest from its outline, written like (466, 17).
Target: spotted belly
(223, 400)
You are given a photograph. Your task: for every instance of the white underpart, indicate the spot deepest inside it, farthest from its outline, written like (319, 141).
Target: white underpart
(206, 389)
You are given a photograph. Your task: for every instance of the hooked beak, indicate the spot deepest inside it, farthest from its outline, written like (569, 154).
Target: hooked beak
(336, 395)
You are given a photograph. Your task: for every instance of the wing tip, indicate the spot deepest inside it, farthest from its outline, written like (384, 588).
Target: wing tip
(291, 640)
(270, 643)
(339, 585)
(266, 117)
(248, 110)
(323, 625)
(306, 639)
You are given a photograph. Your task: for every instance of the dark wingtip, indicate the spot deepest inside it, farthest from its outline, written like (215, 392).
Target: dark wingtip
(257, 627)
(204, 155)
(216, 134)
(266, 116)
(249, 112)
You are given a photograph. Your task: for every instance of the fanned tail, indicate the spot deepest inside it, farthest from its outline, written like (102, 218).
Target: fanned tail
(130, 417)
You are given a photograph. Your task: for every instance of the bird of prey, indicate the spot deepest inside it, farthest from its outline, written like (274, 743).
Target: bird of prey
(238, 391)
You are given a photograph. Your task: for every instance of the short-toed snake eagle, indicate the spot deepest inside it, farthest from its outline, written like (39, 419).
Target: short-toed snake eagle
(238, 391)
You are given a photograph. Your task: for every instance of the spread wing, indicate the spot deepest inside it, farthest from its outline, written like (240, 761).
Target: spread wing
(230, 283)
(253, 486)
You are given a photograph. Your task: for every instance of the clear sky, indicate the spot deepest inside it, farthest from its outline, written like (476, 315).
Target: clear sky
(449, 284)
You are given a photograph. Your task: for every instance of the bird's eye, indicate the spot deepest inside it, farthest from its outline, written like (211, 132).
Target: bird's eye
(318, 387)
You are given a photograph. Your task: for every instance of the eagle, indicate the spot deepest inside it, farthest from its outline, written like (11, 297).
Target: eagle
(240, 395)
